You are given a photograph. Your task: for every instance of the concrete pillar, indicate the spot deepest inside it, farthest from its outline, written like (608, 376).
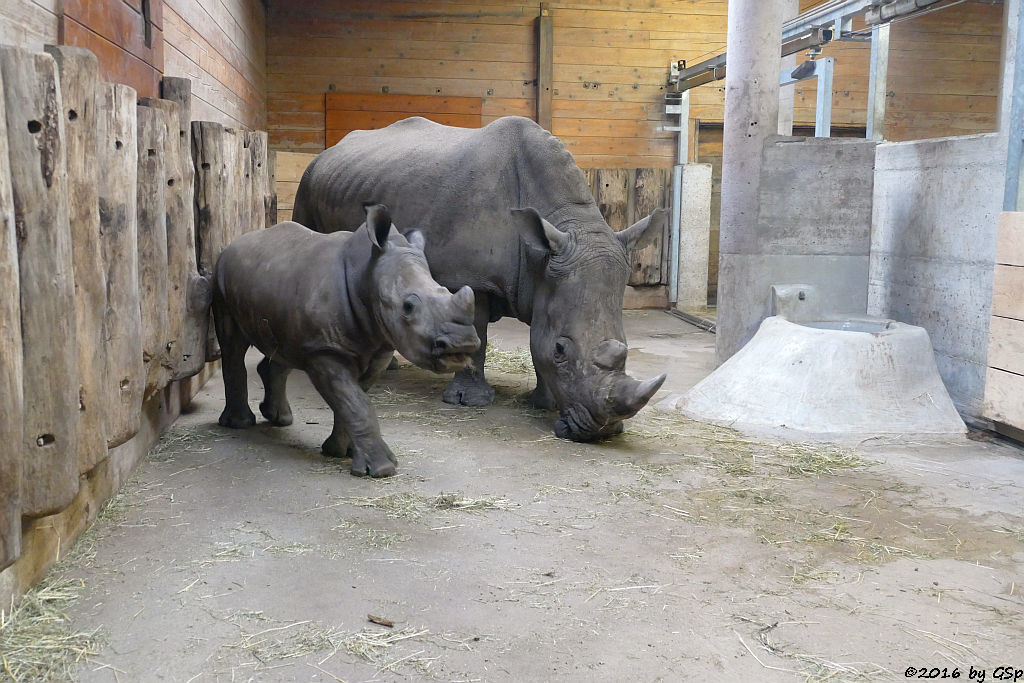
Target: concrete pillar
(694, 237)
(751, 115)
(787, 95)
(1011, 104)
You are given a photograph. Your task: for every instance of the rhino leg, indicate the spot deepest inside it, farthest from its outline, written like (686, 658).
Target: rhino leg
(233, 346)
(354, 418)
(469, 387)
(275, 398)
(541, 397)
(378, 364)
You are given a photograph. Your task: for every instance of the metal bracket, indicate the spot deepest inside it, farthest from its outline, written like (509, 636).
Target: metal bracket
(822, 69)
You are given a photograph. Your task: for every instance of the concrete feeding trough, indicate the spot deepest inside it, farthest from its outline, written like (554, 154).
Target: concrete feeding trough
(816, 375)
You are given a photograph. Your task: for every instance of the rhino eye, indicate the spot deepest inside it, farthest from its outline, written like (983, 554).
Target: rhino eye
(408, 307)
(560, 347)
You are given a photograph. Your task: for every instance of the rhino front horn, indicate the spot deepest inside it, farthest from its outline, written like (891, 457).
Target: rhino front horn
(464, 300)
(630, 395)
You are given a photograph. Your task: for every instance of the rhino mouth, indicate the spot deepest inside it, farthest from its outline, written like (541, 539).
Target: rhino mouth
(577, 424)
(451, 362)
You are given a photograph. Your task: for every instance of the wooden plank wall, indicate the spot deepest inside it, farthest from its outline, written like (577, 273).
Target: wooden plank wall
(610, 65)
(29, 23)
(944, 72)
(220, 45)
(347, 112)
(1004, 384)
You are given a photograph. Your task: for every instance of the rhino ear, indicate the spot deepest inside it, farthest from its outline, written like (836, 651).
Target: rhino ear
(653, 224)
(378, 224)
(540, 234)
(416, 239)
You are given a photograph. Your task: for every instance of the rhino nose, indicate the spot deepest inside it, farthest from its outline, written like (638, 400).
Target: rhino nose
(456, 339)
(611, 355)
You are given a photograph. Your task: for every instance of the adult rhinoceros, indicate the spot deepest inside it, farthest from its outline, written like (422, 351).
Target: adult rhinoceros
(506, 211)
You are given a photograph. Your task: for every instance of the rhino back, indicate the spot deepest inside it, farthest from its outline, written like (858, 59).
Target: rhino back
(285, 287)
(457, 185)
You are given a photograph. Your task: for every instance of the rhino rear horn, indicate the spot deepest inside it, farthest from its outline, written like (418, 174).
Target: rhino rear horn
(378, 223)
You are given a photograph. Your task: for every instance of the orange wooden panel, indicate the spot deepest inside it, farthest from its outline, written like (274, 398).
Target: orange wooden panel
(369, 120)
(411, 104)
(116, 65)
(121, 25)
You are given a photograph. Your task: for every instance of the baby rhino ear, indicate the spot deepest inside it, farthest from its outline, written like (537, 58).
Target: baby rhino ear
(378, 224)
(416, 239)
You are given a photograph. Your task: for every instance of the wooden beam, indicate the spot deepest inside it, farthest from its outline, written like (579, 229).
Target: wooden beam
(545, 66)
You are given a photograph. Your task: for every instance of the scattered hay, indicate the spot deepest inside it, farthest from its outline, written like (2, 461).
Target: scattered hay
(413, 506)
(290, 549)
(455, 501)
(383, 540)
(304, 638)
(183, 439)
(37, 640)
(517, 361)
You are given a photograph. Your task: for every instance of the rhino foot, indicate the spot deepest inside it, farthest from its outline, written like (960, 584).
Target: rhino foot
(468, 391)
(279, 416)
(237, 419)
(541, 398)
(336, 447)
(374, 465)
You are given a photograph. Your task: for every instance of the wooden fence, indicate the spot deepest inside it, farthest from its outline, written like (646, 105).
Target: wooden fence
(113, 211)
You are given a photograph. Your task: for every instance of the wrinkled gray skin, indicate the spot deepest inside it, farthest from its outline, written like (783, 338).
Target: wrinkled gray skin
(335, 306)
(507, 212)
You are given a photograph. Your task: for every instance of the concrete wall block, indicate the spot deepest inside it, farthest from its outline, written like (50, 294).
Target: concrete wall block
(938, 199)
(694, 236)
(815, 198)
(936, 207)
(751, 278)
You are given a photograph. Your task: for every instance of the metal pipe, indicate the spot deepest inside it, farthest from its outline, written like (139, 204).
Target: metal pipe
(682, 155)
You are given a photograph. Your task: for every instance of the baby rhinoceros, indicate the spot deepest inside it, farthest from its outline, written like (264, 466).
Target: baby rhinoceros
(335, 306)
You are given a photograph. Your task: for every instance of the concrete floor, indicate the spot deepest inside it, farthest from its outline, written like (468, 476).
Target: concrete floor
(674, 552)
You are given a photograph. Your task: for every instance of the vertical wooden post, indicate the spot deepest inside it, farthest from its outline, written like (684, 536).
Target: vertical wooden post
(35, 133)
(271, 188)
(181, 240)
(79, 78)
(11, 427)
(122, 326)
(260, 180)
(648, 189)
(545, 68)
(215, 151)
(153, 125)
(613, 196)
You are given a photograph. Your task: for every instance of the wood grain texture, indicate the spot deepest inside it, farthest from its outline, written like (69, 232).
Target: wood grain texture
(1010, 240)
(189, 291)
(36, 140)
(1007, 286)
(122, 325)
(648, 262)
(153, 128)
(215, 154)
(79, 77)
(259, 180)
(1004, 397)
(613, 194)
(11, 425)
